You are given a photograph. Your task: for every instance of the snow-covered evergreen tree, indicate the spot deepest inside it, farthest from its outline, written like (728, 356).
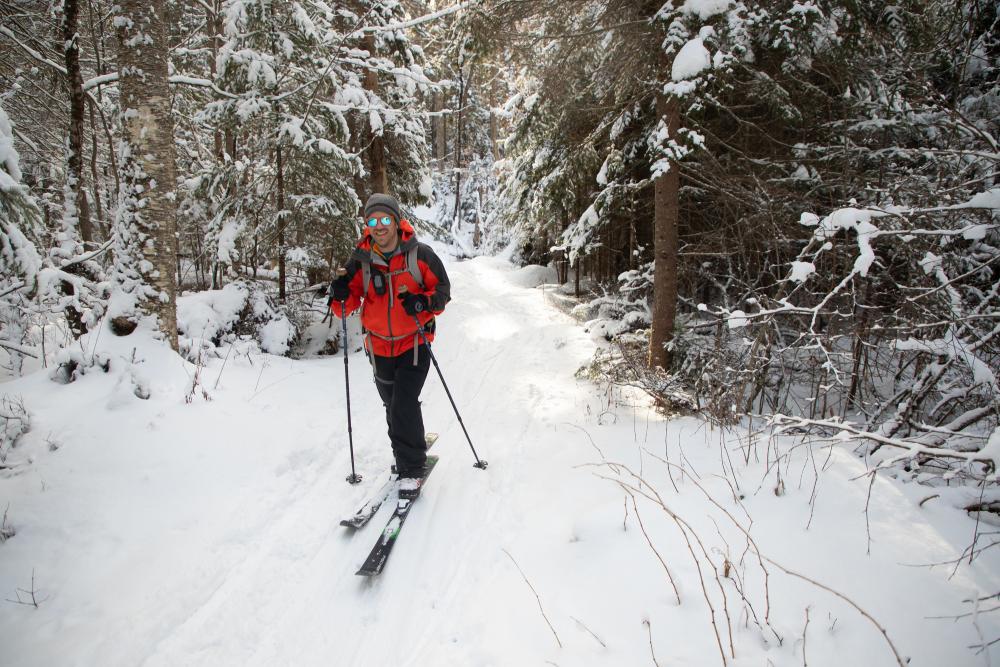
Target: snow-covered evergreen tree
(304, 102)
(275, 72)
(384, 81)
(20, 262)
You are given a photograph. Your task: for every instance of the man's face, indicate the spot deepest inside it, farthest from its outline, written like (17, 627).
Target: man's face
(385, 235)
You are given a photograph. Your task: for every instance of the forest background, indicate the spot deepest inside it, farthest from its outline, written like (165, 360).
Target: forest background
(773, 210)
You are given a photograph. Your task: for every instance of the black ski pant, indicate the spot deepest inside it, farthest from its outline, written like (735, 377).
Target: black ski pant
(399, 381)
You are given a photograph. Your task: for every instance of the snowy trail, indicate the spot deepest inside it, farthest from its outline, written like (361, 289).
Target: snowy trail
(306, 597)
(207, 534)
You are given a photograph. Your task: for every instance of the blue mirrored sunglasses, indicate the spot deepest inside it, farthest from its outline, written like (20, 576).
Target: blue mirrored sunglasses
(385, 220)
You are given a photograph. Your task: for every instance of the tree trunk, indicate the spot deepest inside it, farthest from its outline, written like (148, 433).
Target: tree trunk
(665, 217)
(97, 38)
(146, 223)
(280, 196)
(438, 136)
(463, 87)
(494, 130)
(376, 145)
(95, 176)
(214, 26)
(442, 145)
(76, 200)
(360, 185)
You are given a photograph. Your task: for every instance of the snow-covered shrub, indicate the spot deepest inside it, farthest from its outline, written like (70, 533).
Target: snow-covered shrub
(624, 363)
(711, 362)
(624, 310)
(14, 422)
(242, 308)
(72, 362)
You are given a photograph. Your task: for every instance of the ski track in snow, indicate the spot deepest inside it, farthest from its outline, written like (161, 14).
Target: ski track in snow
(210, 536)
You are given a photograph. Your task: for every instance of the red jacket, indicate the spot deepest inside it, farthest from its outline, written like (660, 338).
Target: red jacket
(390, 330)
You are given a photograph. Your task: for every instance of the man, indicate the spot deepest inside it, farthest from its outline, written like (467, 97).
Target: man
(395, 279)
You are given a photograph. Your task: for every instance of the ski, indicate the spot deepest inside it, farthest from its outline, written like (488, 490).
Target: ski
(372, 505)
(375, 562)
(374, 502)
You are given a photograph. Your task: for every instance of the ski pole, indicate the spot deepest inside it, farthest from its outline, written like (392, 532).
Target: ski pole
(420, 330)
(354, 477)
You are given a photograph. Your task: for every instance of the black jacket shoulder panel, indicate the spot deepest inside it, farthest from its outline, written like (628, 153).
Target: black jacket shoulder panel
(442, 292)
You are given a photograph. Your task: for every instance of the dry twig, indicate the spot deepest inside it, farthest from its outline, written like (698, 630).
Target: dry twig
(537, 597)
(899, 659)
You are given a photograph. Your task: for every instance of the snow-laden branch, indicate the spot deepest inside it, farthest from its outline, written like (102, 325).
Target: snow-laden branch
(201, 83)
(13, 288)
(859, 219)
(180, 79)
(100, 80)
(848, 432)
(402, 25)
(31, 52)
(89, 256)
(20, 350)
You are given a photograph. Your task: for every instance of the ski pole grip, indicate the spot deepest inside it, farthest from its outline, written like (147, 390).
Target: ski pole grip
(341, 271)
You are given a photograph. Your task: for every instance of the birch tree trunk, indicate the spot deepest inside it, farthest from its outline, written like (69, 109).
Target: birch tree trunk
(145, 225)
(666, 205)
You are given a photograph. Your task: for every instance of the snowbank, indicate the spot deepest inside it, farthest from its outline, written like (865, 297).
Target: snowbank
(533, 275)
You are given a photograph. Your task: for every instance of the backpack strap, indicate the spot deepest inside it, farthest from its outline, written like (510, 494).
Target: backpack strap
(411, 264)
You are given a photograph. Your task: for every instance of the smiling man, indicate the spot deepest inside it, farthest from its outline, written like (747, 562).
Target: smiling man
(396, 281)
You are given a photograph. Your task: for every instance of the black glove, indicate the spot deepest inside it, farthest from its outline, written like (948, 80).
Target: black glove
(415, 303)
(340, 290)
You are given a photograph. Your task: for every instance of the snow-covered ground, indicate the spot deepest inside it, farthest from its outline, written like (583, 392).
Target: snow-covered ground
(161, 532)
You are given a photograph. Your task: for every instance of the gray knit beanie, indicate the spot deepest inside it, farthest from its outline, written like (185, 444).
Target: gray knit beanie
(381, 202)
